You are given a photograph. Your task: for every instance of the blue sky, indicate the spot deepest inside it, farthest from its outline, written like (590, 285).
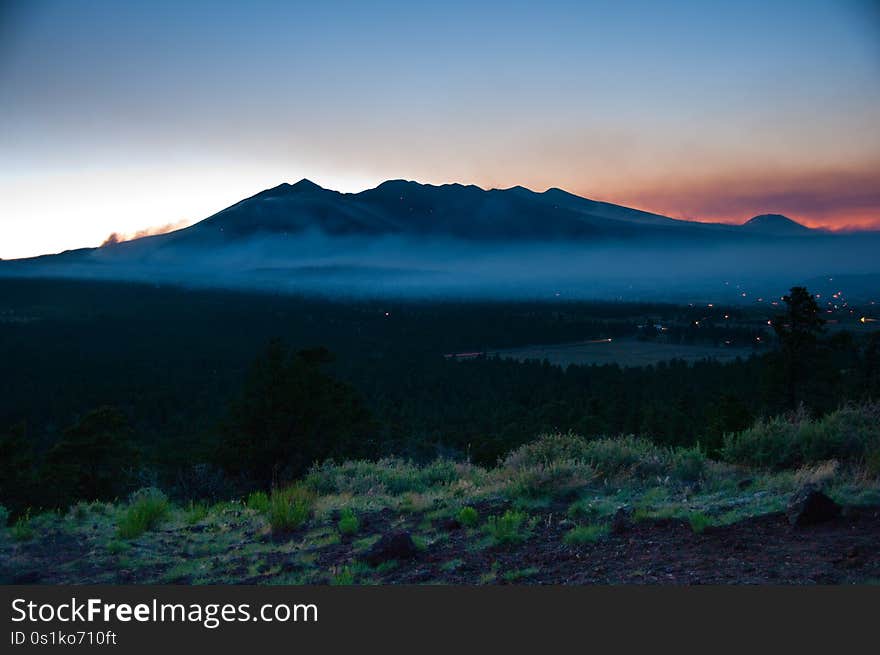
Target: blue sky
(121, 116)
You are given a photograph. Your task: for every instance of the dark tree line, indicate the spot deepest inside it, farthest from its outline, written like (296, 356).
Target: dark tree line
(196, 404)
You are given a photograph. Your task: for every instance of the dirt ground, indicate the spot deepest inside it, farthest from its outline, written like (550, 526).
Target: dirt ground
(759, 550)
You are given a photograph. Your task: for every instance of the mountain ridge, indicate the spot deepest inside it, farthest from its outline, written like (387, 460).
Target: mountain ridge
(407, 207)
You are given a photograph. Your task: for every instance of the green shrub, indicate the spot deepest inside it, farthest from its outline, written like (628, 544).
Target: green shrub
(80, 511)
(147, 508)
(389, 476)
(4, 517)
(507, 528)
(549, 448)
(608, 457)
(290, 507)
(258, 501)
(550, 480)
(688, 464)
(348, 522)
(468, 517)
(585, 534)
(592, 509)
(699, 521)
(22, 530)
(848, 435)
(196, 512)
(342, 578)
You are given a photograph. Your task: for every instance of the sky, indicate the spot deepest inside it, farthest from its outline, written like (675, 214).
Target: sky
(122, 117)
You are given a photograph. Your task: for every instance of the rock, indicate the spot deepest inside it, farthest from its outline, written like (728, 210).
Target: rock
(810, 506)
(620, 522)
(451, 524)
(393, 546)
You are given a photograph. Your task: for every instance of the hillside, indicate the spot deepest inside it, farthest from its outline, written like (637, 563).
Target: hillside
(560, 510)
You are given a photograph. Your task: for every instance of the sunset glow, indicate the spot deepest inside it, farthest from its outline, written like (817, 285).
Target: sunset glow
(119, 118)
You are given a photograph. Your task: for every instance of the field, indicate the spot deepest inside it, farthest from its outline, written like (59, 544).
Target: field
(625, 352)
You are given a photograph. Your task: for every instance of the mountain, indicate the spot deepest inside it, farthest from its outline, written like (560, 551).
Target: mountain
(400, 207)
(403, 237)
(776, 225)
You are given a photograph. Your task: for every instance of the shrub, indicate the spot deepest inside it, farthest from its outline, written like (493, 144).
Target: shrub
(4, 516)
(258, 501)
(342, 578)
(506, 529)
(289, 508)
(549, 448)
(147, 508)
(585, 534)
(348, 522)
(80, 511)
(196, 512)
(22, 530)
(390, 476)
(848, 435)
(688, 464)
(468, 517)
(699, 521)
(591, 509)
(551, 479)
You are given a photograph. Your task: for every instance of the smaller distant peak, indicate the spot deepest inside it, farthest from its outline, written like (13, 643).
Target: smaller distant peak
(776, 223)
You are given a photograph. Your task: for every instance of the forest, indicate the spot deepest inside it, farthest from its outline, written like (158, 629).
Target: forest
(111, 387)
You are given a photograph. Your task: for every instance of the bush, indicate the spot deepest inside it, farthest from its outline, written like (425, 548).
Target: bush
(468, 517)
(342, 578)
(258, 501)
(289, 508)
(585, 534)
(699, 522)
(4, 516)
(627, 456)
(388, 476)
(348, 522)
(549, 448)
(22, 530)
(196, 512)
(592, 509)
(688, 464)
(551, 479)
(506, 529)
(147, 508)
(847, 435)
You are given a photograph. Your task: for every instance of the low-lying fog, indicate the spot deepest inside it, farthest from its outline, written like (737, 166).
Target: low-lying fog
(437, 267)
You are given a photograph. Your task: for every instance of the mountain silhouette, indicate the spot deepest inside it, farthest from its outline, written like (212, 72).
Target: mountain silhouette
(403, 237)
(775, 224)
(406, 208)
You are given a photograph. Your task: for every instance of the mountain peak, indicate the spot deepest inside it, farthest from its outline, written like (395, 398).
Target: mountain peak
(305, 185)
(775, 224)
